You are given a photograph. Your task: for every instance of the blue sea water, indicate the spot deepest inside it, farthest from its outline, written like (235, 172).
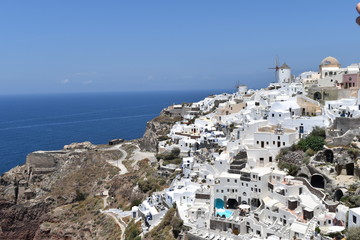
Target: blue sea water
(48, 122)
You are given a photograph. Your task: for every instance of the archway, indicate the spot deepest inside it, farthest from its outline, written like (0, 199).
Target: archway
(303, 175)
(350, 169)
(329, 156)
(255, 202)
(317, 96)
(219, 203)
(338, 195)
(232, 203)
(317, 181)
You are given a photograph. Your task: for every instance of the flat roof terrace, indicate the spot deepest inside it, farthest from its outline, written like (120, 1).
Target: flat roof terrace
(272, 129)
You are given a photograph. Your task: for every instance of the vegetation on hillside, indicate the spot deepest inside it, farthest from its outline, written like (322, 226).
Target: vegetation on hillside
(132, 188)
(309, 145)
(353, 233)
(133, 231)
(352, 201)
(81, 220)
(168, 229)
(314, 141)
(170, 157)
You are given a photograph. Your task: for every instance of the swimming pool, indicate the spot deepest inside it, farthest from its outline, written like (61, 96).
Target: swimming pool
(219, 203)
(223, 213)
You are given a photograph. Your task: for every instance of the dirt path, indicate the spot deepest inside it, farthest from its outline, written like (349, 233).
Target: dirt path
(118, 163)
(120, 223)
(138, 156)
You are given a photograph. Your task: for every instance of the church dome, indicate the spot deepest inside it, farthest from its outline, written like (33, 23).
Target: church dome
(330, 62)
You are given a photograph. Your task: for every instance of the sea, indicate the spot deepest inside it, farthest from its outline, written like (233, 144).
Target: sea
(49, 121)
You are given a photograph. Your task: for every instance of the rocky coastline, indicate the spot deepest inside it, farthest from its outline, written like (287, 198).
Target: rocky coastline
(58, 194)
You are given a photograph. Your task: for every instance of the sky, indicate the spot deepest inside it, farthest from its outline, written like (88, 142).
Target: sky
(112, 46)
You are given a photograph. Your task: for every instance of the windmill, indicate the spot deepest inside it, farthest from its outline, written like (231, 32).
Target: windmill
(276, 68)
(237, 85)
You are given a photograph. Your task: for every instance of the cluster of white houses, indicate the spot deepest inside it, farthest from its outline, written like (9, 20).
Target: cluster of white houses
(230, 180)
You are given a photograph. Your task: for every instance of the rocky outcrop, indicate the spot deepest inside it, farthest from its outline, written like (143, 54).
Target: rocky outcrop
(82, 145)
(157, 129)
(20, 221)
(30, 193)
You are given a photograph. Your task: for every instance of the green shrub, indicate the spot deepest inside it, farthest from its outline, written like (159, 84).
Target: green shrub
(315, 141)
(353, 233)
(132, 231)
(80, 196)
(292, 168)
(310, 152)
(319, 132)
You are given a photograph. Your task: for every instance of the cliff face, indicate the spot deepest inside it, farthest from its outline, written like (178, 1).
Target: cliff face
(157, 129)
(32, 196)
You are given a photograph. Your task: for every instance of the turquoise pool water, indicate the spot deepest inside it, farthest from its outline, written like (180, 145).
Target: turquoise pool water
(223, 212)
(219, 203)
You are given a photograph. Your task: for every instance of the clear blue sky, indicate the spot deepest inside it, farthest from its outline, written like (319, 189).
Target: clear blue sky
(88, 46)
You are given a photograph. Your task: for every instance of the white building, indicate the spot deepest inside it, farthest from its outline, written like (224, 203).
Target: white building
(354, 217)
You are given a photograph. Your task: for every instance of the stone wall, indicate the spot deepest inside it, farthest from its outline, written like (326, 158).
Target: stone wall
(40, 160)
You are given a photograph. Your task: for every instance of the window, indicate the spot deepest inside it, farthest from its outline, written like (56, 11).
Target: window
(228, 180)
(273, 115)
(354, 219)
(222, 191)
(244, 193)
(257, 142)
(270, 159)
(283, 143)
(273, 142)
(267, 143)
(217, 190)
(278, 137)
(235, 180)
(228, 190)
(259, 178)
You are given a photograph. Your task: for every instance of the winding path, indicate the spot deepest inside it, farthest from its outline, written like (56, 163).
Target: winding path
(123, 170)
(138, 155)
(118, 163)
(120, 223)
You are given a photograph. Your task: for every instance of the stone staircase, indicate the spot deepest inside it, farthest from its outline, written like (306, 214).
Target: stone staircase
(311, 229)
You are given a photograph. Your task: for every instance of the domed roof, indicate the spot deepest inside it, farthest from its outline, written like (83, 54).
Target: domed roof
(330, 61)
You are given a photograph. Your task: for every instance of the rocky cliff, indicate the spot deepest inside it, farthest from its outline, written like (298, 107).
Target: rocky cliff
(157, 129)
(54, 195)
